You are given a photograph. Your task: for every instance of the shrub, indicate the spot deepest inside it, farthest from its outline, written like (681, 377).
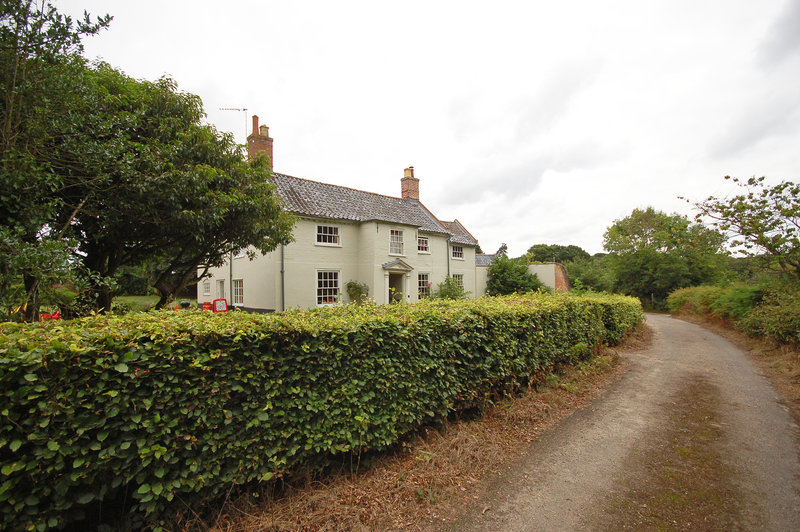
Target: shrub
(163, 405)
(450, 289)
(507, 276)
(776, 318)
(358, 292)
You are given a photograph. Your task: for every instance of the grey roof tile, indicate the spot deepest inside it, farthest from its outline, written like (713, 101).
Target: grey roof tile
(323, 200)
(483, 259)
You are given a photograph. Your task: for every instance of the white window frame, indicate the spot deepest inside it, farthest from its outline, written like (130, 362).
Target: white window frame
(459, 278)
(220, 288)
(427, 250)
(237, 292)
(206, 287)
(423, 291)
(323, 299)
(457, 252)
(336, 235)
(395, 239)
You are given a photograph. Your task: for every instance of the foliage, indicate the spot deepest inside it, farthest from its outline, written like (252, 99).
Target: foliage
(593, 273)
(123, 168)
(357, 292)
(450, 288)
(555, 253)
(731, 302)
(507, 276)
(38, 47)
(167, 406)
(761, 220)
(777, 318)
(653, 253)
(147, 181)
(770, 311)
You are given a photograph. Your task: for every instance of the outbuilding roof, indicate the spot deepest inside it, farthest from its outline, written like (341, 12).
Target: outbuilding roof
(323, 200)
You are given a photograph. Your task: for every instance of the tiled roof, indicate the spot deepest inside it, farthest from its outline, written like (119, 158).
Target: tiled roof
(459, 233)
(323, 200)
(483, 260)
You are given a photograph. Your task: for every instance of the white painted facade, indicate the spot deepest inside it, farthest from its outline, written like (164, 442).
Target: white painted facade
(288, 277)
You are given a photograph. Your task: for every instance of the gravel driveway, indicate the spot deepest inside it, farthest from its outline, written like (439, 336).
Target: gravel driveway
(693, 437)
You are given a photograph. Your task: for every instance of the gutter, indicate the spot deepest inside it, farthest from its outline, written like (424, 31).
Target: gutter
(283, 280)
(448, 254)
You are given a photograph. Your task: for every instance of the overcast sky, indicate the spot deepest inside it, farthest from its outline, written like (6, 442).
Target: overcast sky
(530, 121)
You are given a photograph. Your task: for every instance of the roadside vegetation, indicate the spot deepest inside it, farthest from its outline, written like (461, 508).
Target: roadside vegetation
(149, 411)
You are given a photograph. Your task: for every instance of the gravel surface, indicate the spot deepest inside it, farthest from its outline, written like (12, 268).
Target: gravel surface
(692, 437)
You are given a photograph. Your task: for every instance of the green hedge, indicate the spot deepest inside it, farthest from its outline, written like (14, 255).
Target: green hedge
(771, 311)
(166, 405)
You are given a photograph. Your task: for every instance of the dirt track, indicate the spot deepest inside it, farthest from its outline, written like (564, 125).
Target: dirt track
(691, 438)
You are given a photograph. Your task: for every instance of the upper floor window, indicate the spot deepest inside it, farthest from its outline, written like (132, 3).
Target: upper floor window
(328, 235)
(422, 244)
(396, 242)
(458, 252)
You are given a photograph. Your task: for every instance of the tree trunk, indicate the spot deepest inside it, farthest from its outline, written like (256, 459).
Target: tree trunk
(30, 312)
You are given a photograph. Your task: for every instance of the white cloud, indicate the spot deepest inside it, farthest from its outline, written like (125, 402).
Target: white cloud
(528, 121)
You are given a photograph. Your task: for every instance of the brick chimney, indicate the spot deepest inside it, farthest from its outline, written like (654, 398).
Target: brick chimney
(259, 141)
(409, 185)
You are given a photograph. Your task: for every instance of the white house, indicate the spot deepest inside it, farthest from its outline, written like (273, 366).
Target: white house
(394, 245)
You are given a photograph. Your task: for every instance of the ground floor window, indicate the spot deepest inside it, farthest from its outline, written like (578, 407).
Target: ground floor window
(459, 278)
(327, 287)
(424, 285)
(238, 291)
(221, 289)
(207, 287)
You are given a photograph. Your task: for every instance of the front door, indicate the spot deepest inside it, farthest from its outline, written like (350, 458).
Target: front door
(396, 289)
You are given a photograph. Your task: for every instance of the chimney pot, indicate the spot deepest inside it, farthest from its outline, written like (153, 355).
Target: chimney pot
(409, 185)
(259, 141)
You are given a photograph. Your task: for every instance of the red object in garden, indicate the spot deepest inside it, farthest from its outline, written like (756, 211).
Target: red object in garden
(220, 305)
(207, 305)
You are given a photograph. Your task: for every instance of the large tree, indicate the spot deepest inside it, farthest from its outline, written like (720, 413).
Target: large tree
(555, 253)
(653, 253)
(145, 180)
(761, 221)
(114, 171)
(38, 46)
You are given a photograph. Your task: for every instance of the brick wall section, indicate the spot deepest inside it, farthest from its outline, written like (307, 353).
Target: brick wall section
(562, 281)
(259, 141)
(409, 185)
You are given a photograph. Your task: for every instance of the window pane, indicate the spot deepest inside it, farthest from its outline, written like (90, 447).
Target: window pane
(327, 234)
(424, 285)
(327, 287)
(458, 252)
(238, 291)
(459, 277)
(422, 243)
(396, 242)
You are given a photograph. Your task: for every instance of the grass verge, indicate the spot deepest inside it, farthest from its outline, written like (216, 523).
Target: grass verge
(432, 478)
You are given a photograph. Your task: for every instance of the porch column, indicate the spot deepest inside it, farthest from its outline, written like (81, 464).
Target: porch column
(386, 300)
